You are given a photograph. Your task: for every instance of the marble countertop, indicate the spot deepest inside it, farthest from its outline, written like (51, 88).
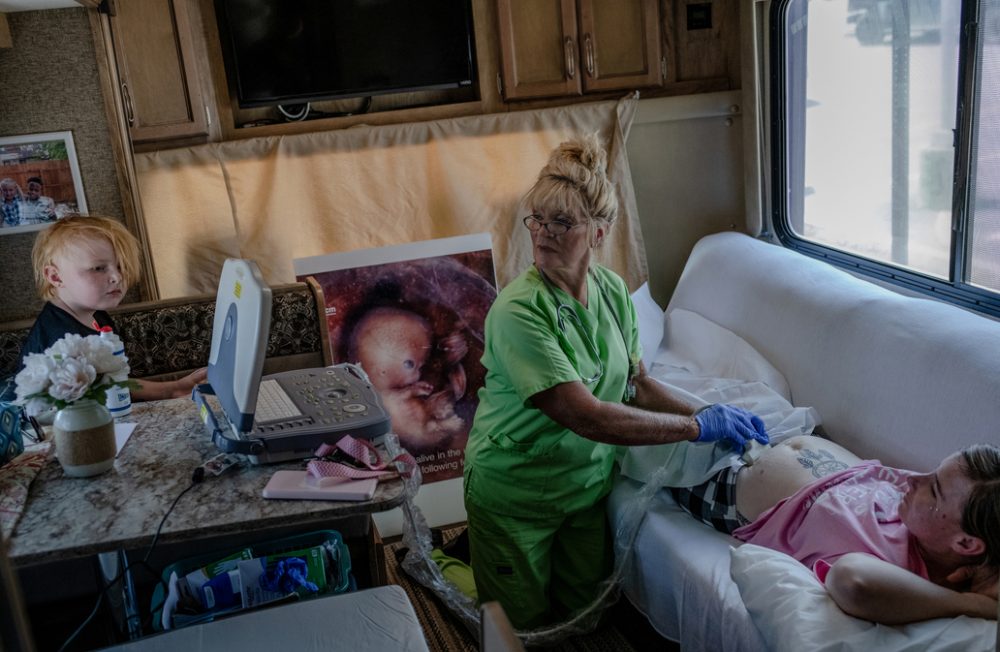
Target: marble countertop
(121, 509)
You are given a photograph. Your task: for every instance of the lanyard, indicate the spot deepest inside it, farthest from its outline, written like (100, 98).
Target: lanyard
(587, 337)
(362, 452)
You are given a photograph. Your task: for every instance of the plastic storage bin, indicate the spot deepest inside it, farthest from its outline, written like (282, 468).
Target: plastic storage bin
(340, 581)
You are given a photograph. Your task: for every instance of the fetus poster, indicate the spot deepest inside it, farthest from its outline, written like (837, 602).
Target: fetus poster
(413, 317)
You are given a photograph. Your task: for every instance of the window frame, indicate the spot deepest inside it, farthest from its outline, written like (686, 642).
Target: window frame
(954, 290)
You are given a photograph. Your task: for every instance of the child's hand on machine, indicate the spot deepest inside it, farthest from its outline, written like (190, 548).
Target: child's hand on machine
(183, 386)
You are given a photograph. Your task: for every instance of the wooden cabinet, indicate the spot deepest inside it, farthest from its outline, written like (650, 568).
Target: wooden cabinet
(567, 47)
(158, 80)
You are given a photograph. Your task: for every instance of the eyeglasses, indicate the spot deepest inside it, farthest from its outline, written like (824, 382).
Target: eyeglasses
(552, 227)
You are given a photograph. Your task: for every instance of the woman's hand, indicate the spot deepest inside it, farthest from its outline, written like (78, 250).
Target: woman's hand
(721, 422)
(977, 578)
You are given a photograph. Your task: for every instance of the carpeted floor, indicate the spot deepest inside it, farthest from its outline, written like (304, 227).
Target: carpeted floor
(445, 633)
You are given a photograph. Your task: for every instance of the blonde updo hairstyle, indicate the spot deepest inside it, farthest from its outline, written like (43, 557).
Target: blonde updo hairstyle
(53, 240)
(575, 182)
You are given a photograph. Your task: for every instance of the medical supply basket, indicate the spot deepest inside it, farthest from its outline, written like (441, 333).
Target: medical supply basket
(340, 580)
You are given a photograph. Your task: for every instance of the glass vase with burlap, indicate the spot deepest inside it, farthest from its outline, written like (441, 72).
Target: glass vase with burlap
(84, 438)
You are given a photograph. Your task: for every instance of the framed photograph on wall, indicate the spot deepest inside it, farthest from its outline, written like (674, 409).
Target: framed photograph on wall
(413, 317)
(39, 181)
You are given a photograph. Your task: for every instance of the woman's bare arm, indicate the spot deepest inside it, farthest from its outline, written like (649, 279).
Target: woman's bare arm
(870, 588)
(572, 406)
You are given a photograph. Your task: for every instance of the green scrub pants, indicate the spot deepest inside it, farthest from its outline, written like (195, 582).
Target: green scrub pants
(542, 570)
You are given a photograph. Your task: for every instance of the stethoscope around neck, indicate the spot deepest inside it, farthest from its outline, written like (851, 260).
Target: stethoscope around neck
(566, 312)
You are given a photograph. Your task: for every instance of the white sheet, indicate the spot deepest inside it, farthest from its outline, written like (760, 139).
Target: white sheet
(680, 580)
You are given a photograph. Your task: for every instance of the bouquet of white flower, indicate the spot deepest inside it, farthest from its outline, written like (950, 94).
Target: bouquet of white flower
(72, 369)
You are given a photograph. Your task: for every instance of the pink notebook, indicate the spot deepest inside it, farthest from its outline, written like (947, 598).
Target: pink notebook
(300, 485)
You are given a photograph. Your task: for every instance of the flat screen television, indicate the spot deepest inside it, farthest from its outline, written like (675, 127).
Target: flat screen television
(296, 51)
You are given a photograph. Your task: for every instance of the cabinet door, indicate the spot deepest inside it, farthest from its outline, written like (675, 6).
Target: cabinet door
(159, 83)
(538, 48)
(619, 44)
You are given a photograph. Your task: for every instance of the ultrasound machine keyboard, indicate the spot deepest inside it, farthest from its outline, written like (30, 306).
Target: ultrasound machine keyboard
(273, 404)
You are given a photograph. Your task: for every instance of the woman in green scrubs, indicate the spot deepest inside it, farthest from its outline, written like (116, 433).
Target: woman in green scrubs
(565, 387)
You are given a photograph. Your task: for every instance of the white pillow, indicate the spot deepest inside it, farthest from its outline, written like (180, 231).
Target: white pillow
(650, 322)
(794, 612)
(704, 348)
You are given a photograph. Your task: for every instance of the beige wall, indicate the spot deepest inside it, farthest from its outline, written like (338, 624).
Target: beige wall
(48, 82)
(687, 170)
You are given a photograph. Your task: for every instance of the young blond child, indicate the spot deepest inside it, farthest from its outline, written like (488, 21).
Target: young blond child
(84, 265)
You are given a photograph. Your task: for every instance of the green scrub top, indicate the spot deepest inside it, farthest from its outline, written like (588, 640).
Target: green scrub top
(518, 461)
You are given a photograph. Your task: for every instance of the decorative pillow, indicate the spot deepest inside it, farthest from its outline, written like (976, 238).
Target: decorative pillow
(794, 612)
(650, 320)
(704, 348)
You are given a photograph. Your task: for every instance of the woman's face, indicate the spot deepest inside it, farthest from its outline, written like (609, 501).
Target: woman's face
(933, 504)
(569, 250)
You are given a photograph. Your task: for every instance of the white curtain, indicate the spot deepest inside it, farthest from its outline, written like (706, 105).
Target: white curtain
(279, 198)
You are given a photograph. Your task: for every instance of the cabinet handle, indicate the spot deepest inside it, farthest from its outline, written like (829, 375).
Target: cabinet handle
(588, 48)
(127, 101)
(570, 58)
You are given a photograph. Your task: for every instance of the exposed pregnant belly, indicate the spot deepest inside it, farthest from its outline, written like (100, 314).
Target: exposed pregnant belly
(785, 468)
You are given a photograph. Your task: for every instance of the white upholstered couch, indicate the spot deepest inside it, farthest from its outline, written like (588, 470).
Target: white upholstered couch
(901, 379)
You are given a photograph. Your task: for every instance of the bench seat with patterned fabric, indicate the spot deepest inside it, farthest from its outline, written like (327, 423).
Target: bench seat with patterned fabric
(169, 338)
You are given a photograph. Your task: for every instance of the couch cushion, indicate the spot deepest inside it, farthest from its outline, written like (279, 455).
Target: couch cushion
(902, 379)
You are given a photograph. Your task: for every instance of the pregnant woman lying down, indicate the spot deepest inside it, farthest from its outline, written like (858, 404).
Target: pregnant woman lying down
(891, 546)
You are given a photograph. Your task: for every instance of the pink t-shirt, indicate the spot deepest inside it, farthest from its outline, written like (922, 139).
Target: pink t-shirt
(854, 510)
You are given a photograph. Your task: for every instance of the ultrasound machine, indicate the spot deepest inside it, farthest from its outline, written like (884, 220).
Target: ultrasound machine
(281, 416)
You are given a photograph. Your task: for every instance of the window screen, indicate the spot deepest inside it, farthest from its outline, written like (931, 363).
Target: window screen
(887, 140)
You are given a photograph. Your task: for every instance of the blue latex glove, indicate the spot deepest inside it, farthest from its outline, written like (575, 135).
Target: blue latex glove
(722, 422)
(287, 576)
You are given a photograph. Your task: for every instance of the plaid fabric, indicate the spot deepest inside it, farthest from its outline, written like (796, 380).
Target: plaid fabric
(11, 213)
(714, 501)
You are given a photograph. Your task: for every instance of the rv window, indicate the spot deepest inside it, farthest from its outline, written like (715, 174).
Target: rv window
(886, 140)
